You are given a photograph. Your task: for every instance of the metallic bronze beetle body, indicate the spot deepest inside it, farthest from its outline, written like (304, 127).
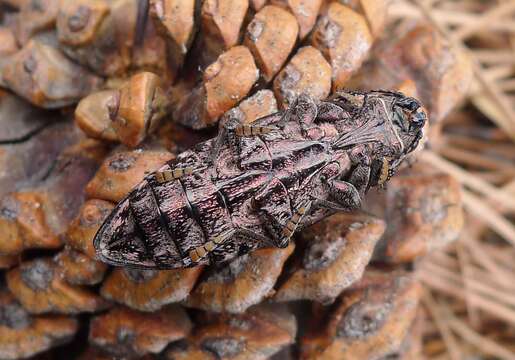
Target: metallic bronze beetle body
(254, 185)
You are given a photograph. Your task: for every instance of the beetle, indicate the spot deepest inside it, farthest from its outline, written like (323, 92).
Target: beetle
(255, 185)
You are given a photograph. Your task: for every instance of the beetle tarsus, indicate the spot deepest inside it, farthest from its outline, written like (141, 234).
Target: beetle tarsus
(252, 130)
(202, 251)
(292, 224)
(172, 174)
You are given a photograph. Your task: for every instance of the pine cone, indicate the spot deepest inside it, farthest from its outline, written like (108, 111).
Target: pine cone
(139, 78)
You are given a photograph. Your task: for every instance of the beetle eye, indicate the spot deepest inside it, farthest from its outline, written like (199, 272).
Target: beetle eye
(409, 104)
(417, 120)
(412, 105)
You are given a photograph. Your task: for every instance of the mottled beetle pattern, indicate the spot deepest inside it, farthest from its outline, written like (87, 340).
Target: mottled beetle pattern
(255, 185)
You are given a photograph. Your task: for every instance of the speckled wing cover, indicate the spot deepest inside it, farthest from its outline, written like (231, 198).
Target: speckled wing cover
(254, 185)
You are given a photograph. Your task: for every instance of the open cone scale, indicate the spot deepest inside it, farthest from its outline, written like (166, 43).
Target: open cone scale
(109, 97)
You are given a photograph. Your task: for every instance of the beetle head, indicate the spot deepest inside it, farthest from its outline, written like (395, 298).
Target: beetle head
(409, 119)
(405, 118)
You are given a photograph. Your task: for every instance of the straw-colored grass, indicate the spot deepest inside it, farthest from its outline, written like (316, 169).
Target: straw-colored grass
(470, 286)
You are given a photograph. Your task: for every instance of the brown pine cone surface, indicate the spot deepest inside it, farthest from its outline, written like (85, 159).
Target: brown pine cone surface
(113, 89)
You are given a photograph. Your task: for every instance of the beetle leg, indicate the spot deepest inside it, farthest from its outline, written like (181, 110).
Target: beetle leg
(273, 205)
(343, 196)
(292, 224)
(232, 131)
(200, 252)
(232, 128)
(227, 126)
(282, 231)
(330, 112)
(252, 236)
(172, 174)
(252, 130)
(197, 254)
(305, 110)
(360, 176)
